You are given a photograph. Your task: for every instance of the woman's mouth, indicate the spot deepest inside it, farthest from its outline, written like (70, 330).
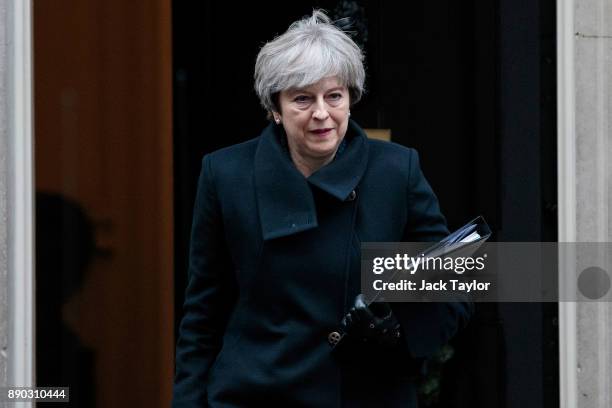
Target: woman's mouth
(322, 132)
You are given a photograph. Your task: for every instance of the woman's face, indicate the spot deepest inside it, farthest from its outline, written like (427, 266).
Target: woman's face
(315, 119)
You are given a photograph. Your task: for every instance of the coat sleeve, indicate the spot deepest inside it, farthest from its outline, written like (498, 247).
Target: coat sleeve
(427, 326)
(209, 296)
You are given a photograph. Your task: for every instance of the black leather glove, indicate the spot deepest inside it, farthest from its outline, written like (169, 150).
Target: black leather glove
(374, 324)
(370, 338)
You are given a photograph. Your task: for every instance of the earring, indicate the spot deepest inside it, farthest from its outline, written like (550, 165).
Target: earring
(277, 119)
(349, 113)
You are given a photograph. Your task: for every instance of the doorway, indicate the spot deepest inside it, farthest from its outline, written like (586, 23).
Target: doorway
(470, 85)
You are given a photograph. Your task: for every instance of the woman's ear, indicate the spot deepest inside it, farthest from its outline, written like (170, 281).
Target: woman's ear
(277, 117)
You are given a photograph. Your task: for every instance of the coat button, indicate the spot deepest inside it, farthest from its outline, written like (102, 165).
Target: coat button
(352, 196)
(333, 338)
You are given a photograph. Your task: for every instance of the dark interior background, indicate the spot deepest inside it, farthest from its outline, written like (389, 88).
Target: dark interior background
(470, 85)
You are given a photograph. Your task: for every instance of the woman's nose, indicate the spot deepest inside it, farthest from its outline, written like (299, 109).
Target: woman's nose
(320, 111)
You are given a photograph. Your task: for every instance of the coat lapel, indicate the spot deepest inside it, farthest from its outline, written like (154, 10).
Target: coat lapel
(284, 197)
(340, 177)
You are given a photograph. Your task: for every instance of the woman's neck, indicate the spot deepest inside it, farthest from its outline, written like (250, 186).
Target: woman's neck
(308, 166)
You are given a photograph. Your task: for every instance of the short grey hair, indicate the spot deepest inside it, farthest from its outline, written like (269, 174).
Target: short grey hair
(311, 49)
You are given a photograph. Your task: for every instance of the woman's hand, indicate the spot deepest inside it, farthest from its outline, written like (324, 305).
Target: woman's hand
(375, 324)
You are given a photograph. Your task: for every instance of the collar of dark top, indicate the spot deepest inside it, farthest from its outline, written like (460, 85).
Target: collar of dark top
(284, 198)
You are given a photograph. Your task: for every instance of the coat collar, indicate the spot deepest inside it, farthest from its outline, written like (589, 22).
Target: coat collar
(284, 197)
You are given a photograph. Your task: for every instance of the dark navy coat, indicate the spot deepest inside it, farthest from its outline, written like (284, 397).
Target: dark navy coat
(275, 264)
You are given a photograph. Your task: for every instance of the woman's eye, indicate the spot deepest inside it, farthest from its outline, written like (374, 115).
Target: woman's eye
(301, 99)
(335, 96)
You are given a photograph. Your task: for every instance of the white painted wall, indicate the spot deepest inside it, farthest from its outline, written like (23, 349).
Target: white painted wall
(16, 196)
(3, 199)
(585, 181)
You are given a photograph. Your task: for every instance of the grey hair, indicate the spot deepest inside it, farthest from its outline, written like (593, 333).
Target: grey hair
(311, 49)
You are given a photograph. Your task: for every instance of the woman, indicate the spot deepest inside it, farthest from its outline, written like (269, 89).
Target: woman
(275, 247)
